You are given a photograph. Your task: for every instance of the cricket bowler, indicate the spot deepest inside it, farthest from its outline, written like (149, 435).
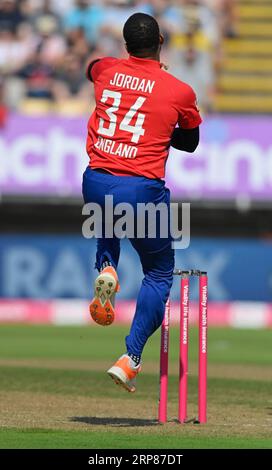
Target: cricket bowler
(141, 110)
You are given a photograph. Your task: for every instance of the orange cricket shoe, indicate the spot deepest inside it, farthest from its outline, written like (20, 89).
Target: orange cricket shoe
(124, 373)
(105, 287)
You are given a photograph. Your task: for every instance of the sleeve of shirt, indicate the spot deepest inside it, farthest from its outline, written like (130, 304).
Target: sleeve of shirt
(189, 116)
(97, 66)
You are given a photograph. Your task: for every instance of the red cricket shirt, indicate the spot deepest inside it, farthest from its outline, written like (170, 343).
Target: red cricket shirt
(138, 106)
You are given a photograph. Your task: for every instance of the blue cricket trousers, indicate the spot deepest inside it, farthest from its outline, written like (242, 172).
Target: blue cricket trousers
(156, 254)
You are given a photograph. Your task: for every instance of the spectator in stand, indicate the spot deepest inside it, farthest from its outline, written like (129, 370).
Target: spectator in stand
(87, 15)
(225, 11)
(38, 78)
(195, 67)
(196, 10)
(45, 12)
(10, 16)
(74, 30)
(78, 44)
(53, 44)
(60, 7)
(71, 79)
(16, 48)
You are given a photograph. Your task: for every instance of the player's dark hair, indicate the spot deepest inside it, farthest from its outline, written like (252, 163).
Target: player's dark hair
(142, 34)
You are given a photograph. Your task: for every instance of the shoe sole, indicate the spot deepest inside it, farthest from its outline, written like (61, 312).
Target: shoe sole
(105, 286)
(119, 378)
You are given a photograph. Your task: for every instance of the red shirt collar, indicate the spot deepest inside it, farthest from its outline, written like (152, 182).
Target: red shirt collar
(140, 60)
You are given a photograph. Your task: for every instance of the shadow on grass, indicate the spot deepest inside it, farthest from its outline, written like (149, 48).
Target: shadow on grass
(115, 422)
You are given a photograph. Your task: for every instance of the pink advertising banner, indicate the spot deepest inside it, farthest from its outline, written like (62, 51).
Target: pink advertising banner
(46, 156)
(75, 312)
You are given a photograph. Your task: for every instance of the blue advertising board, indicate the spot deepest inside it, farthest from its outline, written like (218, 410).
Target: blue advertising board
(44, 267)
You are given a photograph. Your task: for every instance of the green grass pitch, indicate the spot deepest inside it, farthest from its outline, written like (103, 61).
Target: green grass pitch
(54, 392)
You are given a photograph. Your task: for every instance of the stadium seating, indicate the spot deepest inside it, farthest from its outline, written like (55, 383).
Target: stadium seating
(244, 84)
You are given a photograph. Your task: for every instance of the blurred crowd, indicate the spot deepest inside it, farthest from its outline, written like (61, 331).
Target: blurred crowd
(45, 45)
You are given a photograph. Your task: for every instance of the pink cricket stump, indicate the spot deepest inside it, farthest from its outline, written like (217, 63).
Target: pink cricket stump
(202, 364)
(183, 347)
(164, 365)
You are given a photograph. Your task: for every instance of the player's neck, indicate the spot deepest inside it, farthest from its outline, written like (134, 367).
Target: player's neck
(147, 56)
